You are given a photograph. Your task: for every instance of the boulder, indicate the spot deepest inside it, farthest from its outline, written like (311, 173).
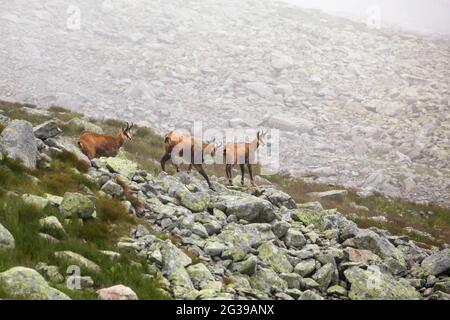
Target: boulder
(117, 292)
(240, 239)
(267, 281)
(369, 240)
(113, 189)
(437, 263)
(48, 129)
(272, 256)
(310, 295)
(6, 239)
(17, 142)
(68, 144)
(78, 260)
(373, 284)
(249, 208)
(52, 223)
(279, 198)
(120, 164)
(305, 268)
(324, 276)
(35, 201)
(49, 272)
(27, 284)
(76, 205)
(295, 239)
(200, 275)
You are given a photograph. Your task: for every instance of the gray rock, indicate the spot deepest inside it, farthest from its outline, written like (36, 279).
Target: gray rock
(280, 228)
(267, 281)
(47, 130)
(27, 284)
(49, 272)
(17, 142)
(274, 257)
(77, 259)
(83, 125)
(295, 239)
(52, 223)
(279, 198)
(6, 239)
(112, 188)
(305, 268)
(324, 276)
(200, 275)
(374, 284)
(76, 205)
(310, 295)
(437, 263)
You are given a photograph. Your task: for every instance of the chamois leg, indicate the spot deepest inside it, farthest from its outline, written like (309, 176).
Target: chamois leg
(250, 172)
(228, 170)
(164, 160)
(190, 168)
(242, 166)
(201, 170)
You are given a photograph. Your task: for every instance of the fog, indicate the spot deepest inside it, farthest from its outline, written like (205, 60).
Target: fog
(425, 17)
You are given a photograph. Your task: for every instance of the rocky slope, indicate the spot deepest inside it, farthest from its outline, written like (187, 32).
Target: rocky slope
(361, 108)
(235, 243)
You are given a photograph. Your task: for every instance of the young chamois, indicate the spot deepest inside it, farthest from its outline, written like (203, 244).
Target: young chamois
(242, 154)
(95, 145)
(173, 140)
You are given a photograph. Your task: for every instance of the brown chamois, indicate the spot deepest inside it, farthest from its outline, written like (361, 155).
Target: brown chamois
(182, 142)
(242, 154)
(95, 145)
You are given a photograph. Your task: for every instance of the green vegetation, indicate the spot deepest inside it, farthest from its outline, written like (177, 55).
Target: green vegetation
(87, 238)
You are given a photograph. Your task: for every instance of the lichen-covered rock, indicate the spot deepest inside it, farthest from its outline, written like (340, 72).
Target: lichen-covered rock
(324, 275)
(295, 239)
(118, 292)
(6, 239)
(78, 260)
(200, 275)
(268, 281)
(35, 201)
(52, 223)
(437, 263)
(280, 228)
(369, 240)
(310, 295)
(214, 248)
(373, 284)
(248, 266)
(274, 257)
(49, 272)
(48, 129)
(121, 165)
(279, 198)
(27, 284)
(249, 208)
(239, 239)
(76, 205)
(305, 268)
(68, 144)
(17, 142)
(194, 201)
(113, 189)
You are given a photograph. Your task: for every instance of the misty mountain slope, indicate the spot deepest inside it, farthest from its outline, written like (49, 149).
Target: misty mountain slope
(361, 108)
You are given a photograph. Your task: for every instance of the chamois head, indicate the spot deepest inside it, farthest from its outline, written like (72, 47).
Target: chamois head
(259, 137)
(125, 132)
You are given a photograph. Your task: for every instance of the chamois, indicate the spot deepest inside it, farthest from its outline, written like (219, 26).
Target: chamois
(182, 142)
(235, 153)
(95, 145)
